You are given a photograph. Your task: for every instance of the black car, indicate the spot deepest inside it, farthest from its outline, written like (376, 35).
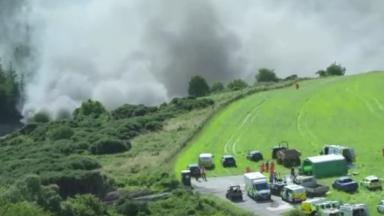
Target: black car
(277, 187)
(195, 170)
(254, 156)
(228, 161)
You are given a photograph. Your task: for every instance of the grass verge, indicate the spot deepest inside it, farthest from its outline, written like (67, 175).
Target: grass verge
(337, 110)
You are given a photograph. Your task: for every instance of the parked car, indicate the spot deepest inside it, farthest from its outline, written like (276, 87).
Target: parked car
(228, 161)
(371, 182)
(195, 170)
(380, 207)
(345, 184)
(254, 156)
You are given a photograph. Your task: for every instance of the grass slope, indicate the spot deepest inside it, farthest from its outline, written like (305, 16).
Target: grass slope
(337, 110)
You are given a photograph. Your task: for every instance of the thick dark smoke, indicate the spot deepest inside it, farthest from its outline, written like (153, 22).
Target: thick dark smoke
(145, 51)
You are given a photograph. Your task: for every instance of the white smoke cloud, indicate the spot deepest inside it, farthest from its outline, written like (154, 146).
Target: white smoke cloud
(145, 51)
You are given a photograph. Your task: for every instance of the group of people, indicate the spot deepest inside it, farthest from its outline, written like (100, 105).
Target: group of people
(267, 166)
(202, 174)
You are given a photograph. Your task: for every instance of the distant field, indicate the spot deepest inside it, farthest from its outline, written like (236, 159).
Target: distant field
(338, 110)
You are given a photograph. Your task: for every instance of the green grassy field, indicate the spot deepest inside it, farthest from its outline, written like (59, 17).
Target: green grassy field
(337, 110)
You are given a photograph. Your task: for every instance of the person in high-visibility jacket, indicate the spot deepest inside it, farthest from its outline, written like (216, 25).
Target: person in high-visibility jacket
(266, 166)
(383, 151)
(272, 167)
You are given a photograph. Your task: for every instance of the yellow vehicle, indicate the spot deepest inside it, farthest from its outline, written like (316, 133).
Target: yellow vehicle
(309, 207)
(293, 193)
(371, 182)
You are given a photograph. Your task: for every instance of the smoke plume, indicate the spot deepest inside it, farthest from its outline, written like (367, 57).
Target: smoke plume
(145, 51)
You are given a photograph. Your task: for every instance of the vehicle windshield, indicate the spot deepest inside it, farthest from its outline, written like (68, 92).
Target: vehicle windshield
(374, 180)
(206, 158)
(229, 159)
(299, 191)
(359, 212)
(261, 186)
(346, 180)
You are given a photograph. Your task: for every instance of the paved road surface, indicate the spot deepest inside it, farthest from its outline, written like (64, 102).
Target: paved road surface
(218, 186)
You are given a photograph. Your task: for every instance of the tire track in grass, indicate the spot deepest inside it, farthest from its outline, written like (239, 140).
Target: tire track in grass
(243, 122)
(237, 141)
(300, 126)
(362, 99)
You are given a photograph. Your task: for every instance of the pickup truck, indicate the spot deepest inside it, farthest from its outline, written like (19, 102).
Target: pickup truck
(345, 184)
(311, 186)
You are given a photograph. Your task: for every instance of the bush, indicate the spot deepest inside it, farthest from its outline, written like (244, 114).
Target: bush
(295, 212)
(72, 182)
(109, 146)
(266, 75)
(41, 118)
(237, 84)
(217, 87)
(62, 132)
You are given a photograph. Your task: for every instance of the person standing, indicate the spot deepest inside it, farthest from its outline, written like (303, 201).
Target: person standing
(266, 166)
(292, 172)
(203, 176)
(297, 86)
(383, 150)
(272, 168)
(262, 167)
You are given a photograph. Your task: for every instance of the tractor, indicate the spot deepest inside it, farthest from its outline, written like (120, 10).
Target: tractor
(284, 155)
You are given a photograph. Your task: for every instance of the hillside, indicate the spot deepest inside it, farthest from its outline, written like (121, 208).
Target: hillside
(114, 156)
(337, 110)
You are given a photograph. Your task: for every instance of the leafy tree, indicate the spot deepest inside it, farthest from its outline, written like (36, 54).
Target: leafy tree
(237, 84)
(31, 190)
(10, 95)
(322, 73)
(90, 108)
(84, 205)
(109, 146)
(41, 118)
(266, 75)
(217, 87)
(198, 87)
(62, 132)
(335, 70)
(21, 209)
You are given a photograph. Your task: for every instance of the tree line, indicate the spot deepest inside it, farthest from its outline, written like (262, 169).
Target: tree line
(198, 86)
(11, 94)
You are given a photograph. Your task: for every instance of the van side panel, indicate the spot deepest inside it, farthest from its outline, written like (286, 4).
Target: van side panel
(330, 168)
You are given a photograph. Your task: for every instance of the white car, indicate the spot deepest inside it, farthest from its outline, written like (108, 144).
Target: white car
(380, 207)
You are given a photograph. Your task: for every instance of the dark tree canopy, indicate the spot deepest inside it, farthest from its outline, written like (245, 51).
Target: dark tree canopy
(266, 75)
(237, 84)
(217, 86)
(198, 87)
(10, 95)
(333, 70)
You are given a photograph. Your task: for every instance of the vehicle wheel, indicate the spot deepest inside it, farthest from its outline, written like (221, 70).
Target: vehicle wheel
(279, 161)
(227, 196)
